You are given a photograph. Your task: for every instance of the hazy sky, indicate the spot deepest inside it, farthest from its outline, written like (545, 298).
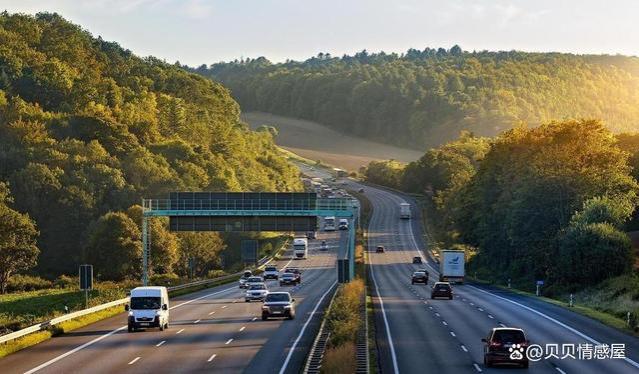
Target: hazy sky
(207, 31)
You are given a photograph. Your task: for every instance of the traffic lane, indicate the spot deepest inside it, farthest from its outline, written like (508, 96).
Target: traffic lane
(276, 348)
(28, 358)
(234, 330)
(542, 331)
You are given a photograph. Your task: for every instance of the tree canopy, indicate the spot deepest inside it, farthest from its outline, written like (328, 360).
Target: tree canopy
(87, 128)
(424, 98)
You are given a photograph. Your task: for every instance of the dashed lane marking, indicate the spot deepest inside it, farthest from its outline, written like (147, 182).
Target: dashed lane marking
(134, 360)
(160, 343)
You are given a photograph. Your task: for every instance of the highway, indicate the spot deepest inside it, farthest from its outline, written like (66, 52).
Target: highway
(418, 335)
(213, 330)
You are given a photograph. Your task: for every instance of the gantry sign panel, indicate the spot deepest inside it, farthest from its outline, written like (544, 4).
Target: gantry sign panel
(232, 202)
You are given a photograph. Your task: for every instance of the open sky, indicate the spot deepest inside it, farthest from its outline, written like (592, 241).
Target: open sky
(206, 31)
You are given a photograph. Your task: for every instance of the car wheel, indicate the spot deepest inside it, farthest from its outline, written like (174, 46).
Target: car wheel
(161, 327)
(166, 326)
(525, 365)
(264, 317)
(450, 297)
(281, 284)
(411, 282)
(247, 300)
(432, 297)
(130, 329)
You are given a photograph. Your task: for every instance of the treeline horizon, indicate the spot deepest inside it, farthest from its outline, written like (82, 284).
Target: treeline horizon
(424, 98)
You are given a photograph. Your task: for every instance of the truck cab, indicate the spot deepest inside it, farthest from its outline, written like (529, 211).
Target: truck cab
(300, 248)
(148, 307)
(404, 211)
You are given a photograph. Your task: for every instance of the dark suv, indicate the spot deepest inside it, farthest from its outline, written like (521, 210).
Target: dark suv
(419, 277)
(417, 260)
(442, 289)
(505, 345)
(278, 304)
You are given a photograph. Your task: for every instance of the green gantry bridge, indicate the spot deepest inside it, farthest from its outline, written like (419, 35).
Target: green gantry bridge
(251, 211)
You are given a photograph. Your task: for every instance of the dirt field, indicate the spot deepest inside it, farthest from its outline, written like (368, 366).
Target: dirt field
(316, 142)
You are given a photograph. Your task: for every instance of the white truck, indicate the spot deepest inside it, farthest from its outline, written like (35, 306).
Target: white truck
(404, 211)
(343, 224)
(451, 266)
(148, 307)
(300, 248)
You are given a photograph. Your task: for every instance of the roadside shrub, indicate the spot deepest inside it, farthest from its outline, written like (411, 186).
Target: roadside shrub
(343, 318)
(339, 360)
(20, 282)
(65, 281)
(167, 280)
(216, 273)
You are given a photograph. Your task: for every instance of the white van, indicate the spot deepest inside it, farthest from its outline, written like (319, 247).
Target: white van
(148, 307)
(343, 224)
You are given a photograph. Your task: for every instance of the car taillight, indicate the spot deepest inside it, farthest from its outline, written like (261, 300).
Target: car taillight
(495, 344)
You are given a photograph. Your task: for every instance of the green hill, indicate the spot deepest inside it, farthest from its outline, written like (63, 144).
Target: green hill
(425, 98)
(87, 127)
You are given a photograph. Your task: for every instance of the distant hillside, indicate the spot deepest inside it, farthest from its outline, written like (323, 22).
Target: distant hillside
(86, 127)
(424, 98)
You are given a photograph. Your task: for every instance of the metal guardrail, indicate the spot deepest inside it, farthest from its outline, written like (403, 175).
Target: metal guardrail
(316, 354)
(80, 313)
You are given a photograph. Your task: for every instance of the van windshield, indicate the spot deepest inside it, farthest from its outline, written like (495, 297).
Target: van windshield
(146, 302)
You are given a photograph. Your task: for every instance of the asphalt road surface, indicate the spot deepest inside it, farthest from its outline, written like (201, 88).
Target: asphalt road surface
(212, 330)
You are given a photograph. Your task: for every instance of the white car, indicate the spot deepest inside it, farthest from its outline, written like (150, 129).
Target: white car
(253, 280)
(270, 272)
(256, 292)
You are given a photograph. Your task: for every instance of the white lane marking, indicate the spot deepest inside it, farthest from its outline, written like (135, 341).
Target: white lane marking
(430, 307)
(228, 341)
(179, 332)
(477, 368)
(480, 309)
(197, 321)
(212, 313)
(160, 343)
(444, 322)
(437, 314)
(502, 325)
(388, 332)
(211, 358)
(452, 334)
(56, 359)
(134, 360)
(490, 316)
(242, 329)
(463, 347)
(254, 319)
(573, 330)
(224, 306)
(234, 301)
(559, 370)
(297, 340)
(472, 304)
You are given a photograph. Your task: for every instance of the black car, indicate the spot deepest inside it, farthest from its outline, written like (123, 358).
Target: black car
(311, 235)
(278, 304)
(419, 277)
(417, 260)
(361, 190)
(380, 249)
(442, 289)
(505, 345)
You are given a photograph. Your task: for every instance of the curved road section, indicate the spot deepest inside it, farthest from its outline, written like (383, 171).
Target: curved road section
(418, 335)
(212, 330)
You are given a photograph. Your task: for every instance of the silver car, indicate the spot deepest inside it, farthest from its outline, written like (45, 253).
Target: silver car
(256, 292)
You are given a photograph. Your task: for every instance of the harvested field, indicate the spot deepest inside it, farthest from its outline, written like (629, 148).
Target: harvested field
(317, 142)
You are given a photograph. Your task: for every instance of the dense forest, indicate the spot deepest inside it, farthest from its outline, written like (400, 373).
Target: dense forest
(422, 99)
(87, 129)
(551, 202)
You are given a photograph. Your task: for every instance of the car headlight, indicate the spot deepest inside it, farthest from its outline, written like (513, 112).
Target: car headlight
(264, 307)
(130, 314)
(287, 307)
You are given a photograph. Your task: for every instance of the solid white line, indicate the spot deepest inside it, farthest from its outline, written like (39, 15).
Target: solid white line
(477, 367)
(228, 341)
(559, 370)
(179, 332)
(197, 321)
(573, 330)
(463, 347)
(160, 343)
(292, 349)
(134, 360)
(242, 329)
(452, 334)
(211, 358)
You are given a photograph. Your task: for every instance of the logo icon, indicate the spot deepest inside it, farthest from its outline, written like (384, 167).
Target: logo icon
(516, 352)
(455, 260)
